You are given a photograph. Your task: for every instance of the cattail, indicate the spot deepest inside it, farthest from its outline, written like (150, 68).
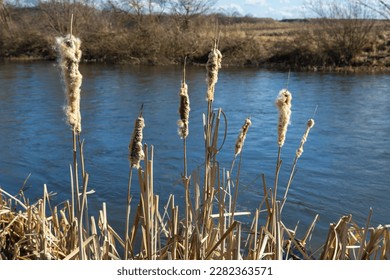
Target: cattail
(283, 102)
(136, 153)
(184, 111)
(310, 124)
(212, 66)
(241, 136)
(70, 55)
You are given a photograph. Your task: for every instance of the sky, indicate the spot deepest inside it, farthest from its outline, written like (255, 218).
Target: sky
(276, 9)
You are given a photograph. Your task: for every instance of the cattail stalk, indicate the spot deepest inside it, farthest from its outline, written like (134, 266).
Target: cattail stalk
(184, 113)
(212, 66)
(136, 154)
(309, 126)
(283, 103)
(238, 149)
(69, 58)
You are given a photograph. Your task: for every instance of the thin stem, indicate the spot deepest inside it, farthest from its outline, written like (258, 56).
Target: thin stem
(83, 172)
(208, 133)
(206, 189)
(80, 218)
(184, 69)
(236, 188)
(278, 164)
(128, 213)
(289, 182)
(185, 157)
(71, 25)
(81, 146)
(72, 192)
(187, 197)
(75, 172)
(274, 202)
(229, 180)
(187, 219)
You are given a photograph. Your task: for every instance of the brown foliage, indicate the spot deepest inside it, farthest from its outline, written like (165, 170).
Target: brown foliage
(116, 36)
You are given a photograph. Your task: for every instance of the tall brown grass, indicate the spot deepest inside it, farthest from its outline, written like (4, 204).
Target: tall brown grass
(209, 228)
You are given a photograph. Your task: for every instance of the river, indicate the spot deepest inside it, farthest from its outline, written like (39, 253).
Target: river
(344, 168)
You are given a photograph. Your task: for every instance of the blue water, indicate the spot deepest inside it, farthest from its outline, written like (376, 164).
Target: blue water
(344, 168)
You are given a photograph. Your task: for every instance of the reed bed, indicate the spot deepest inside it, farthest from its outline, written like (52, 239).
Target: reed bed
(207, 227)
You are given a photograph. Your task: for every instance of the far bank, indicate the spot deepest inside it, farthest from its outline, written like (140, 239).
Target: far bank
(117, 37)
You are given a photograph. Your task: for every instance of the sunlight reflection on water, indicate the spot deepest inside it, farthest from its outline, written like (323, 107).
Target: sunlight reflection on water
(344, 167)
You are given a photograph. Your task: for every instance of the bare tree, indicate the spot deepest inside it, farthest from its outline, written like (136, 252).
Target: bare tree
(344, 28)
(187, 9)
(3, 14)
(381, 7)
(140, 8)
(386, 6)
(57, 16)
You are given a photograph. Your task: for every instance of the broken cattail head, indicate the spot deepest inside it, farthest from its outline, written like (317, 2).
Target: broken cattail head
(241, 137)
(283, 102)
(184, 111)
(136, 153)
(69, 58)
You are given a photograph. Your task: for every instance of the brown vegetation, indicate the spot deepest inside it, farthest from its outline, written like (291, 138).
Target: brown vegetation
(113, 35)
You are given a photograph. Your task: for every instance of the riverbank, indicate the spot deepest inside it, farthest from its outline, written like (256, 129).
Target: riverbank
(117, 37)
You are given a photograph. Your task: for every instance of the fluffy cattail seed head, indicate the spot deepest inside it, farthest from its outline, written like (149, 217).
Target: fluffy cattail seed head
(310, 124)
(213, 65)
(69, 59)
(283, 102)
(241, 137)
(184, 111)
(136, 153)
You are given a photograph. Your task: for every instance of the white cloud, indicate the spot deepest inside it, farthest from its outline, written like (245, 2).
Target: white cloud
(256, 2)
(232, 7)
(286, 12)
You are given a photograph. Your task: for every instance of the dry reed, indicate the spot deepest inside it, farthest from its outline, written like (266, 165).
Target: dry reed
(39, 231)
(184, 113)
(69, 58)
(309, 125)
(136, 154)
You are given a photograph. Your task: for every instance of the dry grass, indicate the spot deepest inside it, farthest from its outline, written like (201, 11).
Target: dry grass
(119, 37)
(209, 227)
